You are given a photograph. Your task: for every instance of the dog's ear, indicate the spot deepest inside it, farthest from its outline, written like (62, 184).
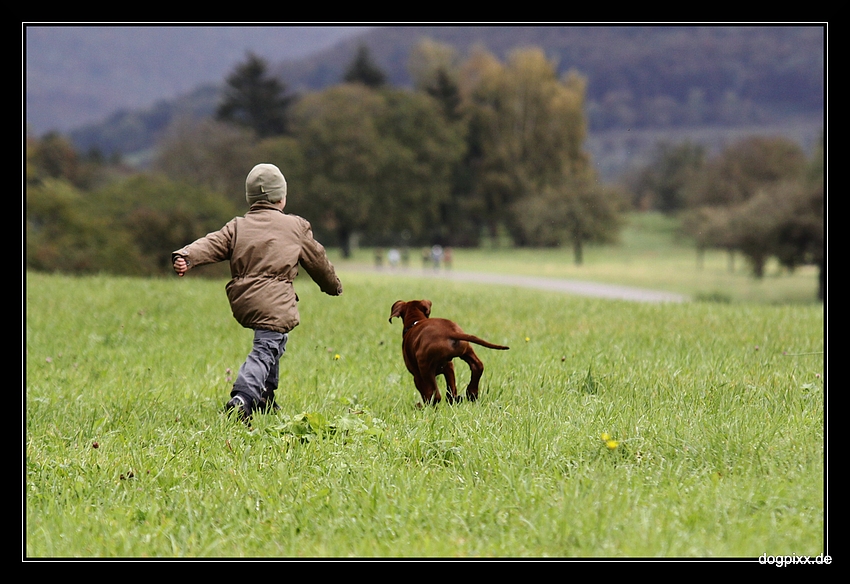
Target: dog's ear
(426, 307)
(397, 310)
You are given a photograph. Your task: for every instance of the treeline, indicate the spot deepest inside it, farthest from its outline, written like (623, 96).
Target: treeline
(761, 197)
(480, 149)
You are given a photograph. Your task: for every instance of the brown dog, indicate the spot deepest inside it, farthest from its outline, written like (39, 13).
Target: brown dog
(430, 344)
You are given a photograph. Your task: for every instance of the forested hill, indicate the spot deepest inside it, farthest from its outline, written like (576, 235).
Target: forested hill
(639, 78)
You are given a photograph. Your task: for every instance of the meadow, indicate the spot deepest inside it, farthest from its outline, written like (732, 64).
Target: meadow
(610, 429)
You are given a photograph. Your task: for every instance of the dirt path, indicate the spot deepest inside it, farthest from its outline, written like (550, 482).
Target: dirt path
(552, 284)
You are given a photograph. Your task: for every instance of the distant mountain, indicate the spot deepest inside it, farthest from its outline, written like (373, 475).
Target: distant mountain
(645, 83)
(767, 71)
(766, 63)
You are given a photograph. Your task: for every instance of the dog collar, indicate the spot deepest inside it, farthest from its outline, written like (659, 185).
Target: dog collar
(407, 328)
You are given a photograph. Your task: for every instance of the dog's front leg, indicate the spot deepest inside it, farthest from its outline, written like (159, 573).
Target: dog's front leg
(426, 383)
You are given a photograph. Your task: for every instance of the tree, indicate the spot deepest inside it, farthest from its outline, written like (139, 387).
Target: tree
(753, 227)
(53, 156)
(375, 162)
(208, 154)
(436, 72)
(709, 228)
(66, 233)
(160, 215)
(762, 198)
(527, 131)
(434, 69)
(783, 220)
(663, 184)
(364, 70)
(744, 167)
(254, 99)
(574, 213)
(287, 154)
(424, 151)
(801, 237)
(343, 154)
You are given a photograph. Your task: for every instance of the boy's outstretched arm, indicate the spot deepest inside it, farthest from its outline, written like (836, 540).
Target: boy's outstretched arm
(314, 259)
(213, 247)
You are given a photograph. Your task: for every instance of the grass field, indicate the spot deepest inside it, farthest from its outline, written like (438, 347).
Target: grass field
(610, 429)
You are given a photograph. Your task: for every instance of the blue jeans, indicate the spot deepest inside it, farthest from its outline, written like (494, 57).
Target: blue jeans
(259, 375)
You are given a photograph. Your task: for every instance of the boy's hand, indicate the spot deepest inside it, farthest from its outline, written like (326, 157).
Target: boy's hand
(180, 266)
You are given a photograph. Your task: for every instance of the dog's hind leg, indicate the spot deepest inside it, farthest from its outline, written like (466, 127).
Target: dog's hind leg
(476, 368)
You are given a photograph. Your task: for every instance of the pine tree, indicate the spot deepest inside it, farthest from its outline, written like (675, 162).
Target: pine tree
(363, 70)
(255, 100)
(446, 91)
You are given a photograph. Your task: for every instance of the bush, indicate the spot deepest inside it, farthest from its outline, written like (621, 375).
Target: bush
(129, 227)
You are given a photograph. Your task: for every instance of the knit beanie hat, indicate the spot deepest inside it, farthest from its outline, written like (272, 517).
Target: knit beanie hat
(265, 182)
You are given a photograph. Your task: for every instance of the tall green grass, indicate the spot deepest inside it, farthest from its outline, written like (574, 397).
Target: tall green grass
(714, 415)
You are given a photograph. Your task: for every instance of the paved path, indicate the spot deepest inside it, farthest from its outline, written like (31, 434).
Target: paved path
(552, 284)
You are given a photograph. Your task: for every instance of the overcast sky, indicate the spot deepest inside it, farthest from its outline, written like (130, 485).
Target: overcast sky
(81, 74)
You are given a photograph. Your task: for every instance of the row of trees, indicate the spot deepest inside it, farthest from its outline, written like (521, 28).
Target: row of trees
(479, 149)
(761, 197)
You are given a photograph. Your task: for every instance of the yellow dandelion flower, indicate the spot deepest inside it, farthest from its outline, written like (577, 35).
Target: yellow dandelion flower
(336, 357)
(527, 339)
(611, 444)
(605, 436)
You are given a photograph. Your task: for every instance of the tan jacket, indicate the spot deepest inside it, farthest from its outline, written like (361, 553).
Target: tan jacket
(265, 248)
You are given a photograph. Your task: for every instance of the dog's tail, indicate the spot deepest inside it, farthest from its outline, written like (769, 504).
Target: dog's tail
(479, 341)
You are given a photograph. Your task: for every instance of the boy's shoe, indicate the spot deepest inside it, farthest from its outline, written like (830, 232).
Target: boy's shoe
(238, 404)
(269, 404)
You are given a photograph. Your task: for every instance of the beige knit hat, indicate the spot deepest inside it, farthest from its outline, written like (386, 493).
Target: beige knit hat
(265, 182)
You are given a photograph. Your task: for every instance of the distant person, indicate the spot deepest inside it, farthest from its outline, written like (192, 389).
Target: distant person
(436, 255)
(393, 257)
(426, 257)
(447, 257)
(264, 248)
(379, 257)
